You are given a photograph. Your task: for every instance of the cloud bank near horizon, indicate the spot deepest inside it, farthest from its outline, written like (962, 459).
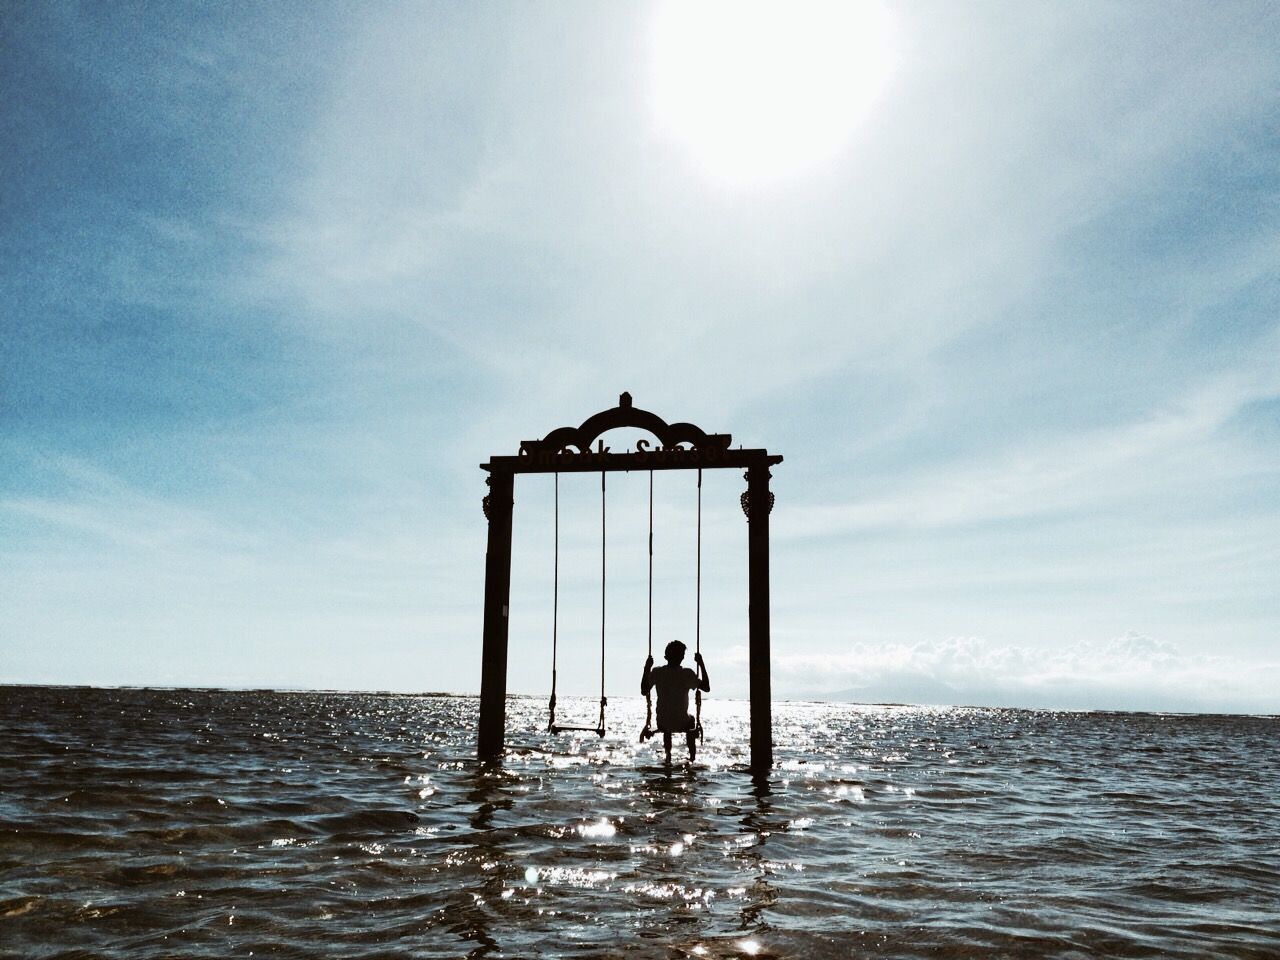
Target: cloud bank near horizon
(1129, 672)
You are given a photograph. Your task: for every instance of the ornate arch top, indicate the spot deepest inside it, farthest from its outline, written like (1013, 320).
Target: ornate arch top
(625, 415)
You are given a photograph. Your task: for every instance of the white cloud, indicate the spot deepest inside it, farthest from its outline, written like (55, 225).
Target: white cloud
(515, 199)
(304, 589)
(1129, 672)
(1078, 471)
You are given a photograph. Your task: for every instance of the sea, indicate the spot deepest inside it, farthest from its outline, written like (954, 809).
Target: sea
(139, 823)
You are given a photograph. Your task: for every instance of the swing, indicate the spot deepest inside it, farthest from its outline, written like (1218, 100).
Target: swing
(552, 726)
(649, 729)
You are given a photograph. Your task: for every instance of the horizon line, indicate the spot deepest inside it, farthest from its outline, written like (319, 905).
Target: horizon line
(442, 694)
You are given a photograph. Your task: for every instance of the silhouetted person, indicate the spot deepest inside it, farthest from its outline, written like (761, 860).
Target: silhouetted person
(673, 683)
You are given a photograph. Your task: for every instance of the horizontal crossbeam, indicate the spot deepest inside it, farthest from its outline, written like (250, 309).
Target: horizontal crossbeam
(596, 461)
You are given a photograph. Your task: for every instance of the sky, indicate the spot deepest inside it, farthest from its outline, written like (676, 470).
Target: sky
(1000, 281)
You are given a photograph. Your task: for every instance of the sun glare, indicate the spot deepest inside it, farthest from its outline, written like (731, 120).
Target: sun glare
(759, 90)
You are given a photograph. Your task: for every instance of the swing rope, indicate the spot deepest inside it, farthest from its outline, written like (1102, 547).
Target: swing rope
(697, 620)
(648, 730)
(555, 612)
(552, 726)
(603, 555)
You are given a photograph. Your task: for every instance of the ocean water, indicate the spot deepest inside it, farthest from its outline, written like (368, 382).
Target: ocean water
(190, 823)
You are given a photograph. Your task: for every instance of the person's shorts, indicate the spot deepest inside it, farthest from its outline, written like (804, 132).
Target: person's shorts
(689, 724)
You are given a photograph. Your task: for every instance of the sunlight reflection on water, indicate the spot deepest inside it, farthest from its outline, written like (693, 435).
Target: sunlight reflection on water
(199, 823)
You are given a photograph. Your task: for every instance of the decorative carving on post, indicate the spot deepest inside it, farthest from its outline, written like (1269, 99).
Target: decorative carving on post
(744, 501)
(488, 503)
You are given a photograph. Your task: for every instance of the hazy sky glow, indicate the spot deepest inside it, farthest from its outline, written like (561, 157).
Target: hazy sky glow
(1004, 292)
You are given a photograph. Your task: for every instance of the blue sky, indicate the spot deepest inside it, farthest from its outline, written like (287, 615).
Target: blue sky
(275, 279)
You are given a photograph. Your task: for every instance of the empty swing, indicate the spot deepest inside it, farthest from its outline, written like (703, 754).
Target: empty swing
(552, 726)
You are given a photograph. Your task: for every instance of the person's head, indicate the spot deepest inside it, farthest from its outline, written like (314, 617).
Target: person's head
(674, 652)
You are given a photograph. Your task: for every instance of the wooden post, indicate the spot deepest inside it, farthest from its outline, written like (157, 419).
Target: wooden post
(497, 598)
(758, 504)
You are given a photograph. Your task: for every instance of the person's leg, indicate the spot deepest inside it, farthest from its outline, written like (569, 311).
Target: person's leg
(666, 743)
(692, 739)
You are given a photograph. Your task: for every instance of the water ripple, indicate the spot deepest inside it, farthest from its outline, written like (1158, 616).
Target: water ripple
(140, 823)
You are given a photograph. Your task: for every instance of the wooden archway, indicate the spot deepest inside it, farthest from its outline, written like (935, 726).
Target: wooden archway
(681, 446)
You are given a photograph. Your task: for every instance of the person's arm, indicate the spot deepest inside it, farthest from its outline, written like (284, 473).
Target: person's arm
(704, 682)
(646, 678)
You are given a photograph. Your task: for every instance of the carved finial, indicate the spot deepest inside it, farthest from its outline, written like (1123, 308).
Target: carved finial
(624, 415)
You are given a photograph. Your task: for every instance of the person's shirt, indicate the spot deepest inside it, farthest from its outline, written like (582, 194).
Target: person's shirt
(673, 684)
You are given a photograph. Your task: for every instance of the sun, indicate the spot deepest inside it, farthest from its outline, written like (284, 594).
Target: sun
(757, 91)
